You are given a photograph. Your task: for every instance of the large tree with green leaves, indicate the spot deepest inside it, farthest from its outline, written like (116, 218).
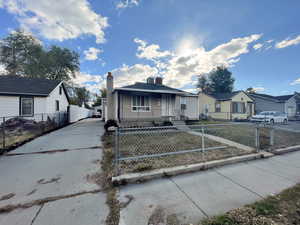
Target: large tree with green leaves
(219, 80)
(81, 96)
(19, 50)
(22, 54)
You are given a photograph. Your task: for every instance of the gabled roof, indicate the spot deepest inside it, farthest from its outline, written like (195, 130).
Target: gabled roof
(158, 88)
(279, 99)
(225, 96)
(15, 85)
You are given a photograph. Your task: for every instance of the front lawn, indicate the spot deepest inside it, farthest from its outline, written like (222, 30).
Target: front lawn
(282, 209)
(245, 134)
(146, 144)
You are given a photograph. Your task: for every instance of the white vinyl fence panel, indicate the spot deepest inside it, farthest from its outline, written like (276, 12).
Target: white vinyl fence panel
(77, 113)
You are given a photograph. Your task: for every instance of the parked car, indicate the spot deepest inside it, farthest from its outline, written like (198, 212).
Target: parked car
(270, 117)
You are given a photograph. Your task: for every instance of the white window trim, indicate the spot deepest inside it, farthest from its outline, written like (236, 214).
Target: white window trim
(132, 110)
(32, 107)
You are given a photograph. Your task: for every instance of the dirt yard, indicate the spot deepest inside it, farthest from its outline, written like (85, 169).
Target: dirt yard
(156, 143)
(280, 209)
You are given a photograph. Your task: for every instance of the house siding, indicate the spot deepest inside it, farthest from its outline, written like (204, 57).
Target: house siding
(266, 105)
(192, 108)
(9, 106)
(290, 107)
(53, 96)
(208, 102)
(126, 112)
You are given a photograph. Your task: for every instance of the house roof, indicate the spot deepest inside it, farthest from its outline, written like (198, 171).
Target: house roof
(225, 96)
(281, 98)
(15, 85)
(139, 86)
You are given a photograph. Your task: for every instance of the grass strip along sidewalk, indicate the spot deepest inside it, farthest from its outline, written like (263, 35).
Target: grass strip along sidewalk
(281, 209)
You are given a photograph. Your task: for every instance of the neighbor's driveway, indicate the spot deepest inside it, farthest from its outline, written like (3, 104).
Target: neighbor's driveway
(60, 166)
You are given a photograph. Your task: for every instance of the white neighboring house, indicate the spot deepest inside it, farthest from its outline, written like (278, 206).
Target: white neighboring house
(29, 97)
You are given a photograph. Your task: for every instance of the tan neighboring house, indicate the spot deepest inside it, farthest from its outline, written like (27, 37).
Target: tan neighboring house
(149, 101)
(226, 106)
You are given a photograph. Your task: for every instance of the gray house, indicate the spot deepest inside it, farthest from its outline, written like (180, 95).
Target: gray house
(149, 101)
(289, 104)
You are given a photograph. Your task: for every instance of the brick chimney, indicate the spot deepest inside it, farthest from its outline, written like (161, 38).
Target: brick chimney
(159, 80)
(110, 99)
(150, 80)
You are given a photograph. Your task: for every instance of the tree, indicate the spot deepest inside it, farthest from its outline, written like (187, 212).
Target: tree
(81, 96)
(22, 54)
(103, 93)
(250, 90)
(221, 80)
(203, 84)
(18, 50)
(61, 63)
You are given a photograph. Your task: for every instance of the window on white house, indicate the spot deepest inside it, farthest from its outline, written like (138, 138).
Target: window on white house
(26, 108)
(57, 105)
(60, 90)
(140, 104)
(238, 107)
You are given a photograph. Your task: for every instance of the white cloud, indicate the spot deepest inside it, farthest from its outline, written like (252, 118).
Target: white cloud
(92, 82)
(269, 41)
(127, 75)
(58, 21)
(258, 46)
(127, 3)
(295, 82)
(288, 42)
(259, 89)
(150, 52)
(180, 69)
(92, 53)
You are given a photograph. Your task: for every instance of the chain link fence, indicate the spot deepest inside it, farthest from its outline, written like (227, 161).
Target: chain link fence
(147, 148)
(15, 130)
(141, 149)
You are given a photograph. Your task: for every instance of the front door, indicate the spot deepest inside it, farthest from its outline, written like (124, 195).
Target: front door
(166, 105)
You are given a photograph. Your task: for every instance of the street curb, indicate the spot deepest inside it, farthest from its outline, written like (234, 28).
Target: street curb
(286, 150)
(165, 172)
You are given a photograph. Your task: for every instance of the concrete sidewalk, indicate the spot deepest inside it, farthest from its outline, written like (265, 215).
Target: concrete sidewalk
(65, 182)
(190, 198)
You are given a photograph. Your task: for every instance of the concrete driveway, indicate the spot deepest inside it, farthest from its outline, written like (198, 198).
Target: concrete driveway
(56, 175)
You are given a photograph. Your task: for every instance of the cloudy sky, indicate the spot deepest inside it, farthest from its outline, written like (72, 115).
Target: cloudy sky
(175, 39)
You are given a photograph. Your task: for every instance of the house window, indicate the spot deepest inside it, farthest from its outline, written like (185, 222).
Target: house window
(140, 104)
(218, 107)
(238, 107)
(57, 105)
(26, 107)
(60, 90)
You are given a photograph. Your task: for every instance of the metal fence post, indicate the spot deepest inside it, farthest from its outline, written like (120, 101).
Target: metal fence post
(272, 136)
(203, 144)
(257, 141)
(3, 133)
(117, 150)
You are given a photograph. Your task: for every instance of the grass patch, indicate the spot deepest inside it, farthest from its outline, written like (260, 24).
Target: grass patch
(245, 134)
(283, 208)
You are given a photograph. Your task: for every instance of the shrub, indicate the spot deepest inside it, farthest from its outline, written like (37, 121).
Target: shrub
(110, 123)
